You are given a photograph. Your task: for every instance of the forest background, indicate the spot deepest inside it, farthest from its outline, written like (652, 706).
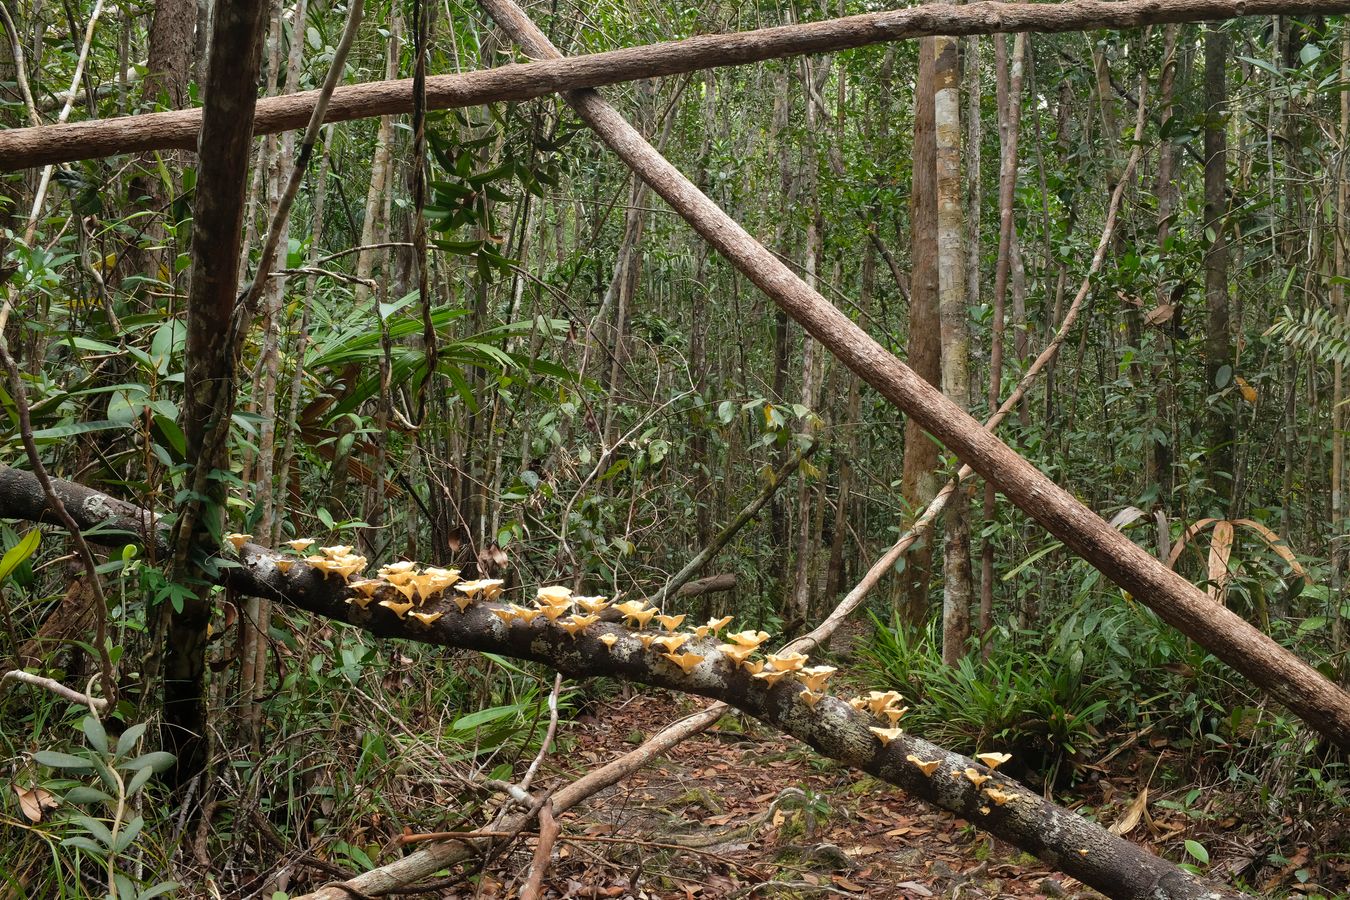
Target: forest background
(482, 343)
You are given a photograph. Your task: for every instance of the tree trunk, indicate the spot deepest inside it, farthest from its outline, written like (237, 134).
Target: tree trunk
(1218, 336)
(918, 480)
(211, 356)
(957, 587)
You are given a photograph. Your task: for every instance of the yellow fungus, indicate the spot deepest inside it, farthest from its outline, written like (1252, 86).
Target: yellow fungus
(574, 625)
(975, 776)
(609, 640)
(637, 612)
(399, 609)
(552, 613)
(999, 797)
(646, 638)
(426, 618)
(814, 677)
(895, 713)
(751, 639)
(525, 614)
(926, 766)
(359, 601)
(810, 697)
(507, 615)
(672, 642)
(336, 551)
(685, 661)
(670, 623)
(753, 666)
(554, 595)
(300, 545)
(739, 654)
(591, 604)
(993, 760)
(886, 735)
(284, 565)
(716, 625)
(238, 540)
(770, 676)
(787, 662)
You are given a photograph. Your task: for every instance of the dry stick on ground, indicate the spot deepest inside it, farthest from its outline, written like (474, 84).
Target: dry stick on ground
(95, 704)
(1078, 847)
(26, 147)
(1313, 697)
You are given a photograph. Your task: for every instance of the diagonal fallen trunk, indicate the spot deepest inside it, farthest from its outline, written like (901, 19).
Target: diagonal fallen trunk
(26, 147)
(1313, 697)
(967, 788)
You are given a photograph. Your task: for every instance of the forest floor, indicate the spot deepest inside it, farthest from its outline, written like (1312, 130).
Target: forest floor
(742, 811)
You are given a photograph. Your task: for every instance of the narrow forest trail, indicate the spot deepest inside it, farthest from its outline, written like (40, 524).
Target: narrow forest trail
(731, 811)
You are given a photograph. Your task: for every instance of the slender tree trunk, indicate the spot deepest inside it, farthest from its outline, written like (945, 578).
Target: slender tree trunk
(918, 480)
(958, 587)
(1010, 115)
(1218, 336)
(211, 360)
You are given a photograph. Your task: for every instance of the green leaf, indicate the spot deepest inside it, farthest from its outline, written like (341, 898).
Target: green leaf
(1197, 850)
(164, 887)
(139, 780)
(1223, 377)
(83, 793)
(127, 836)
(63, 761)
(95, 733)
(96, 828)
(20, 552)
(83, 843)
(158, 760)
(483, 716)
(127, 741)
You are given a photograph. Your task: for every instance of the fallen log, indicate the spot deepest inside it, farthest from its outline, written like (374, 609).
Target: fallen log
(835, 728)
(1314, 698)
(22, 148)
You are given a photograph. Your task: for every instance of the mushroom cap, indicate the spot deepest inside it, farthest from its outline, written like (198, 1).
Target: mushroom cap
(686, 661)
(814, 677)
(716, 625)
(975, 776)
(886, 735)
(238, 540)
(609, 639)
(670, 623)
(739, 654)
(554, 594)
(927, 766)
(507, 615)
(671, 642)
(300, 545)
(751, 639)
(591, 604)
(787, 662)
(993, 760)
(525, 614)
(336, 550)
(403, 566)
(399, 609)
(426, 618)
(770, 675)
(810, 697)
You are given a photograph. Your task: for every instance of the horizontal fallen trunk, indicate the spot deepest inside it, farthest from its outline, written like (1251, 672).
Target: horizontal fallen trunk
(713, 584)
(956, 783)
(26, 147)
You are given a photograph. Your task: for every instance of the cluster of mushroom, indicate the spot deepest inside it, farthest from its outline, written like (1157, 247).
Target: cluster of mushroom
(884, 705)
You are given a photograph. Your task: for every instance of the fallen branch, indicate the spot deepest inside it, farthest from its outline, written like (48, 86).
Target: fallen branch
(1063, 839)
(95, 704)
(26, 147)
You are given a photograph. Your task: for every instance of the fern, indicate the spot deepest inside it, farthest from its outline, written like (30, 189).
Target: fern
(1320, 332)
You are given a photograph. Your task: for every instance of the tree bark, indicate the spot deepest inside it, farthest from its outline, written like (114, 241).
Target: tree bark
(1218, 337)
(1321, 704)
(918, 478)
(27, 147)
(957, 582)
(211, 357)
